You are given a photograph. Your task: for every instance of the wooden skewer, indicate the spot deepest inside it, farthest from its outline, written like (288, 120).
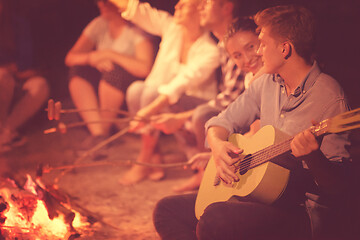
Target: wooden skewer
(94, 149)
(54, 110)
(96, 164)
(62, 127)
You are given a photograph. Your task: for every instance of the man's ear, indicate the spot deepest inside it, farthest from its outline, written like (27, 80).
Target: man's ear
(287, 50)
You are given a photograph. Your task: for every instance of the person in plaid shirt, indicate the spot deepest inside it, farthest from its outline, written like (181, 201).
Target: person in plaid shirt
(216, 16)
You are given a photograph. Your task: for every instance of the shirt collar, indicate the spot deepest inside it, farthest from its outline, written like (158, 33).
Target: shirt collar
(310, 78)
(306, 84)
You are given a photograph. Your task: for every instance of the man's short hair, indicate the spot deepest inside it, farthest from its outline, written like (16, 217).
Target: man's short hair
(240, 24)
(291, 23)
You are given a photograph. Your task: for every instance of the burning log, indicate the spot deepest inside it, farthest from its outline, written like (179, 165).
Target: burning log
(35, 213)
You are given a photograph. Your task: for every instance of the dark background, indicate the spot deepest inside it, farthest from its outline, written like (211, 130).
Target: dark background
(56, 24)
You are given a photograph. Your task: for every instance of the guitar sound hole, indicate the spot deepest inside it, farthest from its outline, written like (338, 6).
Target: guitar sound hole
(245, 164)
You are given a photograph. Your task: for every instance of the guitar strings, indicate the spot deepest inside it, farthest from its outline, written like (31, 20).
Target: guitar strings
(263, 155)
(272, 151)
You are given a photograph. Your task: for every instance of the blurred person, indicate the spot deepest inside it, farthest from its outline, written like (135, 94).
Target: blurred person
(22, 89)
(109, 55)
(182, 76)
(290, 96)
(216, 16)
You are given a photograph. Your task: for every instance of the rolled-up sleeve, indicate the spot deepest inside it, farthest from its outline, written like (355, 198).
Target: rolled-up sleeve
(202, 62)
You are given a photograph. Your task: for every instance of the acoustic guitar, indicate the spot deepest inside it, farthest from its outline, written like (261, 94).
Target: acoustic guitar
(260, 178)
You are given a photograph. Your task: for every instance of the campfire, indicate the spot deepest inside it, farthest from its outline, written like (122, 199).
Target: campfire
(34, 212)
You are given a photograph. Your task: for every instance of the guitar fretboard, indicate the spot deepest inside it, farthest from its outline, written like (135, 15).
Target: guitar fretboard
(264, 155)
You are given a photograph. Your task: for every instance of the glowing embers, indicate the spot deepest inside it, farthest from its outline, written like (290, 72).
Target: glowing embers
(25, 215)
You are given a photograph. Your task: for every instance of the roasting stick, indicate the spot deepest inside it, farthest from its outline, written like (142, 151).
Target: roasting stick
(66, 169)
(163, 165)
(62, 127)
(54, 110)
(94, 149)
(103, 143)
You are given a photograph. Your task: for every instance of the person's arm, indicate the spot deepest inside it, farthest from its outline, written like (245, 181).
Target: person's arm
(171, 122)
(83, 53)
(80, 53)
(328, 175)
(145, 113)
(139, 65)
(120, 4)
(150, 19)
(221, 149)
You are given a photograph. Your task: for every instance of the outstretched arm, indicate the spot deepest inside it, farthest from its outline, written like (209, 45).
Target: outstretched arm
(120, 4)
(145, 113)
(80, 53)
(170, 122)
(138, 65)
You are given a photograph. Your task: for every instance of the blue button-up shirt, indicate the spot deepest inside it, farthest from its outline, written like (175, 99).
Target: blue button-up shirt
(318, 97)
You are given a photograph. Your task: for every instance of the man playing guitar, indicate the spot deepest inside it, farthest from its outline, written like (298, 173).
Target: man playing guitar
(292, 95)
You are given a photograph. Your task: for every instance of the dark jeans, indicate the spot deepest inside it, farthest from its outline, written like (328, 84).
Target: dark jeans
(174, 218)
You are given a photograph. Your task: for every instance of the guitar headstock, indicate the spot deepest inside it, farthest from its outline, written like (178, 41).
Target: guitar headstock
(340, 123)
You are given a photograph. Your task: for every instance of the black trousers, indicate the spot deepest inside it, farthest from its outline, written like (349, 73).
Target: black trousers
(174, 218)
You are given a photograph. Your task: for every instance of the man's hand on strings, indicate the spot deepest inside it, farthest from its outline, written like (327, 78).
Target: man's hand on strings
(224, 162)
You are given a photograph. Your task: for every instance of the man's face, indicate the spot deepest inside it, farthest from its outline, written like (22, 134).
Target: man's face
(210, 13)
(185, 12)
(242, 48)
(271, 51)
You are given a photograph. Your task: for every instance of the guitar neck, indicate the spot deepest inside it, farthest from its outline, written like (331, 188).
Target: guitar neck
(340, 123)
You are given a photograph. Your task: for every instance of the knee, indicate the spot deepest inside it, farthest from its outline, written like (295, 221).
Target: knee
(134, 89)
(37, 86)
(133, 95)
(76, 82)
(162, 212)
(213, 224)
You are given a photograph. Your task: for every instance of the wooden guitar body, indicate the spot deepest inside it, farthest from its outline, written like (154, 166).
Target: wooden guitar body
(261, 179)
(265, 183)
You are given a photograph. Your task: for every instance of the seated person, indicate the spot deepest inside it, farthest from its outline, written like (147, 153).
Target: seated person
(182, 76)
(110, 53)
(22, 90)
(241, 43)
(291, 94)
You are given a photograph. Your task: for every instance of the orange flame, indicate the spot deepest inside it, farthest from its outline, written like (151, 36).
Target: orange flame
(39, 226)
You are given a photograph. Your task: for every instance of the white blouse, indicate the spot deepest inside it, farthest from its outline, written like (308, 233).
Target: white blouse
(196, 77)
